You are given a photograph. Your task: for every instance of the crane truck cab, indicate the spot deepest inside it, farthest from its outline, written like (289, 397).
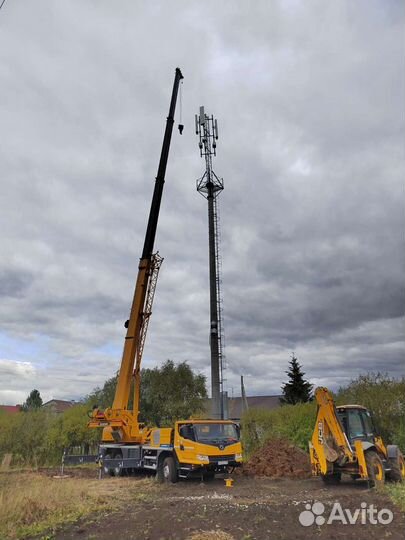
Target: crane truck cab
(207, 446)
(345, 441)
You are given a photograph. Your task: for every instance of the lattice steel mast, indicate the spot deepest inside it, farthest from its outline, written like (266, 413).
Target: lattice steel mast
(210, 186)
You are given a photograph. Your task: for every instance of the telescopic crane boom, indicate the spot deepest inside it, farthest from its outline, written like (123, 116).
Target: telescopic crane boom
(120, 424)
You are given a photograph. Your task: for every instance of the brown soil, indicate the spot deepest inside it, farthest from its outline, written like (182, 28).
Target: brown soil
(254, 509)
(279, 459)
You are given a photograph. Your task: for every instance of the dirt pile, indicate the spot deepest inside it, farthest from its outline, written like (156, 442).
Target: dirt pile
(279, 458)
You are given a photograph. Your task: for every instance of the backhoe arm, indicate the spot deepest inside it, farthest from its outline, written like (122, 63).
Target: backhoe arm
(329, 442)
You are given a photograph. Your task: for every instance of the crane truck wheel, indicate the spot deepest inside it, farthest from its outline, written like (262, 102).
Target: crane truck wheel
(118, 470)
(397, 472)
(331, 479)
(169, 471)
(375, 469)
(108, 470)
(114, 471)
(209, 476)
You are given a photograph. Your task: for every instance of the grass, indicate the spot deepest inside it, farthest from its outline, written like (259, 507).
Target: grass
(397, 494)
(32, 503)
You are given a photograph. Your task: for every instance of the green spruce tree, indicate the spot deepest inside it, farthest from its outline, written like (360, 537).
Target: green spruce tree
(33, 401)
(297, 389)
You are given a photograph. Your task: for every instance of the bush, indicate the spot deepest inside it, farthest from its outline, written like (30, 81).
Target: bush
(292, 422)
(25, 436)
(38, 437)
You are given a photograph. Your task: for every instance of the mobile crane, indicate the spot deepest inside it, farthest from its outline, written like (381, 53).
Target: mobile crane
(190, 447)
(345, 441)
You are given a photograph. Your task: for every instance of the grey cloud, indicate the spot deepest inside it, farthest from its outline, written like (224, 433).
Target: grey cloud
(13, 284)
(309, 100)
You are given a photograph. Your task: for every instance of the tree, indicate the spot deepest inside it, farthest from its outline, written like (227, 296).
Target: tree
(33, 401)
(168, 393)
(103, 397)
(297, 389)
(171, 392)
(70, 430)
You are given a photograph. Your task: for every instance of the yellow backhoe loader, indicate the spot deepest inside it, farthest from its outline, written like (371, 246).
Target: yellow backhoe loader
(345, 441)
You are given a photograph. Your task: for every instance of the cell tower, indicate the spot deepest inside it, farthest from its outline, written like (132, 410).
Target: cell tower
(210, 186)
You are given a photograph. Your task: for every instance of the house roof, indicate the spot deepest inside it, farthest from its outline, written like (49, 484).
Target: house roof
(58, 405)
(12, 409)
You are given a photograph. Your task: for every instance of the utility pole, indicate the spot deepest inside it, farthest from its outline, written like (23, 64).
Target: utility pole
(245, 405)
(210, 186)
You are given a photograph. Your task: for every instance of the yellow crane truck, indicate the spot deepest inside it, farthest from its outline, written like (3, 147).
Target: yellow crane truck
(190, 447)
(345, 441)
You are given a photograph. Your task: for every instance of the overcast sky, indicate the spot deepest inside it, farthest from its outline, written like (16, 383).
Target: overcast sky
(309, 101)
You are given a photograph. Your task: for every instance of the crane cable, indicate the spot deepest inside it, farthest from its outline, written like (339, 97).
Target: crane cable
(181, 101)
(181, 126)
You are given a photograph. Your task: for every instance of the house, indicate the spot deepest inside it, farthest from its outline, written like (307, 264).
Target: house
(58, 406)
(268, 403)
(10, 409)
(235, 408)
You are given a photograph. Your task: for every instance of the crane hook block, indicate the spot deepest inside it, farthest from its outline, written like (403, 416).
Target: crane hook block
(181, 127)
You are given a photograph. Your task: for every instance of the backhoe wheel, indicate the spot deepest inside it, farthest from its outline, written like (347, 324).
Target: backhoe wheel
(397, 472)
(332, 479)
(169, 471)
(375, 469)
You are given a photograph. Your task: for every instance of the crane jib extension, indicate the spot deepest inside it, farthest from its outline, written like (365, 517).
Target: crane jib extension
(120, 424)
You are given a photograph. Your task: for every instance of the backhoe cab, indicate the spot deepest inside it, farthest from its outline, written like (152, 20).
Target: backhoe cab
(345, 441)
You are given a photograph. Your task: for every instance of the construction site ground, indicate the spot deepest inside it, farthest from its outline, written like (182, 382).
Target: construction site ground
(253, 509)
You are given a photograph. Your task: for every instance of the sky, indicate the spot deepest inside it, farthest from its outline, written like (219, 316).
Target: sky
(309, 101)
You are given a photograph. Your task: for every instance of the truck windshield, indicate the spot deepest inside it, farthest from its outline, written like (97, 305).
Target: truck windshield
(216, 432)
